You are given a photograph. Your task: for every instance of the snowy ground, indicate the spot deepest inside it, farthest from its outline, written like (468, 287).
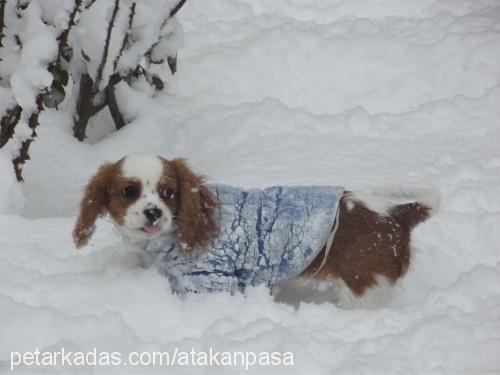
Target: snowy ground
(335, 92)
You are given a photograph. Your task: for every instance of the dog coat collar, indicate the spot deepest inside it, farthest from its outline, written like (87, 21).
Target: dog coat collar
(266, 236)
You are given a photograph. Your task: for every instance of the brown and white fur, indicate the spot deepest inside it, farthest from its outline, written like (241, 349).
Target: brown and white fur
(147, 196)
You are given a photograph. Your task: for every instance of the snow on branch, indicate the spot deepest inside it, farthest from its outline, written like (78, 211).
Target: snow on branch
(129, 43)
(28, 82)
(64, 49)
(2, 20)
(126, 38)
(105, 53)
(71, 56)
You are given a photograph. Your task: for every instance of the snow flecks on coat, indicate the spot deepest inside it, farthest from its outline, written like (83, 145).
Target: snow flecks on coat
(266, 236)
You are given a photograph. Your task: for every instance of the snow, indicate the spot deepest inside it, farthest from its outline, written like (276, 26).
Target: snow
(39, 47)
(11, 196)
(284, 92)
(146, 31)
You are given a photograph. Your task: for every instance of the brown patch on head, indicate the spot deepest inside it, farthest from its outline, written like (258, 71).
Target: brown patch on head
(184, 193)
(168, 188)
(122, 192)
(368, 244)
(107, 192)
(94, 203)
(195, 205)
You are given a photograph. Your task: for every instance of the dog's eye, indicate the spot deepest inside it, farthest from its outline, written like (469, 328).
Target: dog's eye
(167, 193)
(130, 191)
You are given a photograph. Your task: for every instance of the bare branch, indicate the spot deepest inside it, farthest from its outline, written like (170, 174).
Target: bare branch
(8, 124)
(113, 107)
(88, 5)
(126, 38)
(172, 63)
(173, 12)
(2, 20)
(23, 152)
(100, 68)
(84, 107)
(178, 7)
(63, 37)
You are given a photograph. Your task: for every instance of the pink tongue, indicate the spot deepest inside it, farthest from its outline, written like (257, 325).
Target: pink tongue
(151, 229)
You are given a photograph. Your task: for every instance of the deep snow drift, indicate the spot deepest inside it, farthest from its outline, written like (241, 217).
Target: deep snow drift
(288, 92)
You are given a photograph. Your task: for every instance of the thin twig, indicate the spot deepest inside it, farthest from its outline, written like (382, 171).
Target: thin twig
(100, 68)
(2, 20)
(63, 37)
(173, 12)
(114, 110)
(23, 152)
(178, 7)
(90, 4)
(8, 124)
(126, 38)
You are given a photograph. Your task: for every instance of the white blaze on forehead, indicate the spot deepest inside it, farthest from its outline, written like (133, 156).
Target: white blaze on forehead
(147, 168)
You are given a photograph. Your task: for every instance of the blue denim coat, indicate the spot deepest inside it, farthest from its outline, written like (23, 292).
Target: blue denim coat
(266, 236)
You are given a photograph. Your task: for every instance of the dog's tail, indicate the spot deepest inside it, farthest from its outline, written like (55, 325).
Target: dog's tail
(411, 206)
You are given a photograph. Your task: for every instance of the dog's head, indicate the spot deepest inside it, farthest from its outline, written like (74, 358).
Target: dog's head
(147, 196)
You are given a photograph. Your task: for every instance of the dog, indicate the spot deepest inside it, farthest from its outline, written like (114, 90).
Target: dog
(364, 250)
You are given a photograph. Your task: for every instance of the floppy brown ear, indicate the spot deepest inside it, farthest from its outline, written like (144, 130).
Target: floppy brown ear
(196, 224)
(93, 204)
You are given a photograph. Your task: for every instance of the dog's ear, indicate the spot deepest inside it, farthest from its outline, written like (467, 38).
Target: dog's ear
(93, 204)
(196, 224)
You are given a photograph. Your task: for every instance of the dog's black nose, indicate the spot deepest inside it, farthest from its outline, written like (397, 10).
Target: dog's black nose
(152, 214)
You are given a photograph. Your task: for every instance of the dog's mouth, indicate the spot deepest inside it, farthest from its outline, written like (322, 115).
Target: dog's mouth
(151, 228)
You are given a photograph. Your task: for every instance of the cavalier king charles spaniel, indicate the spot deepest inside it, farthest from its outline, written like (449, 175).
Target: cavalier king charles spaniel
(148, 196)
